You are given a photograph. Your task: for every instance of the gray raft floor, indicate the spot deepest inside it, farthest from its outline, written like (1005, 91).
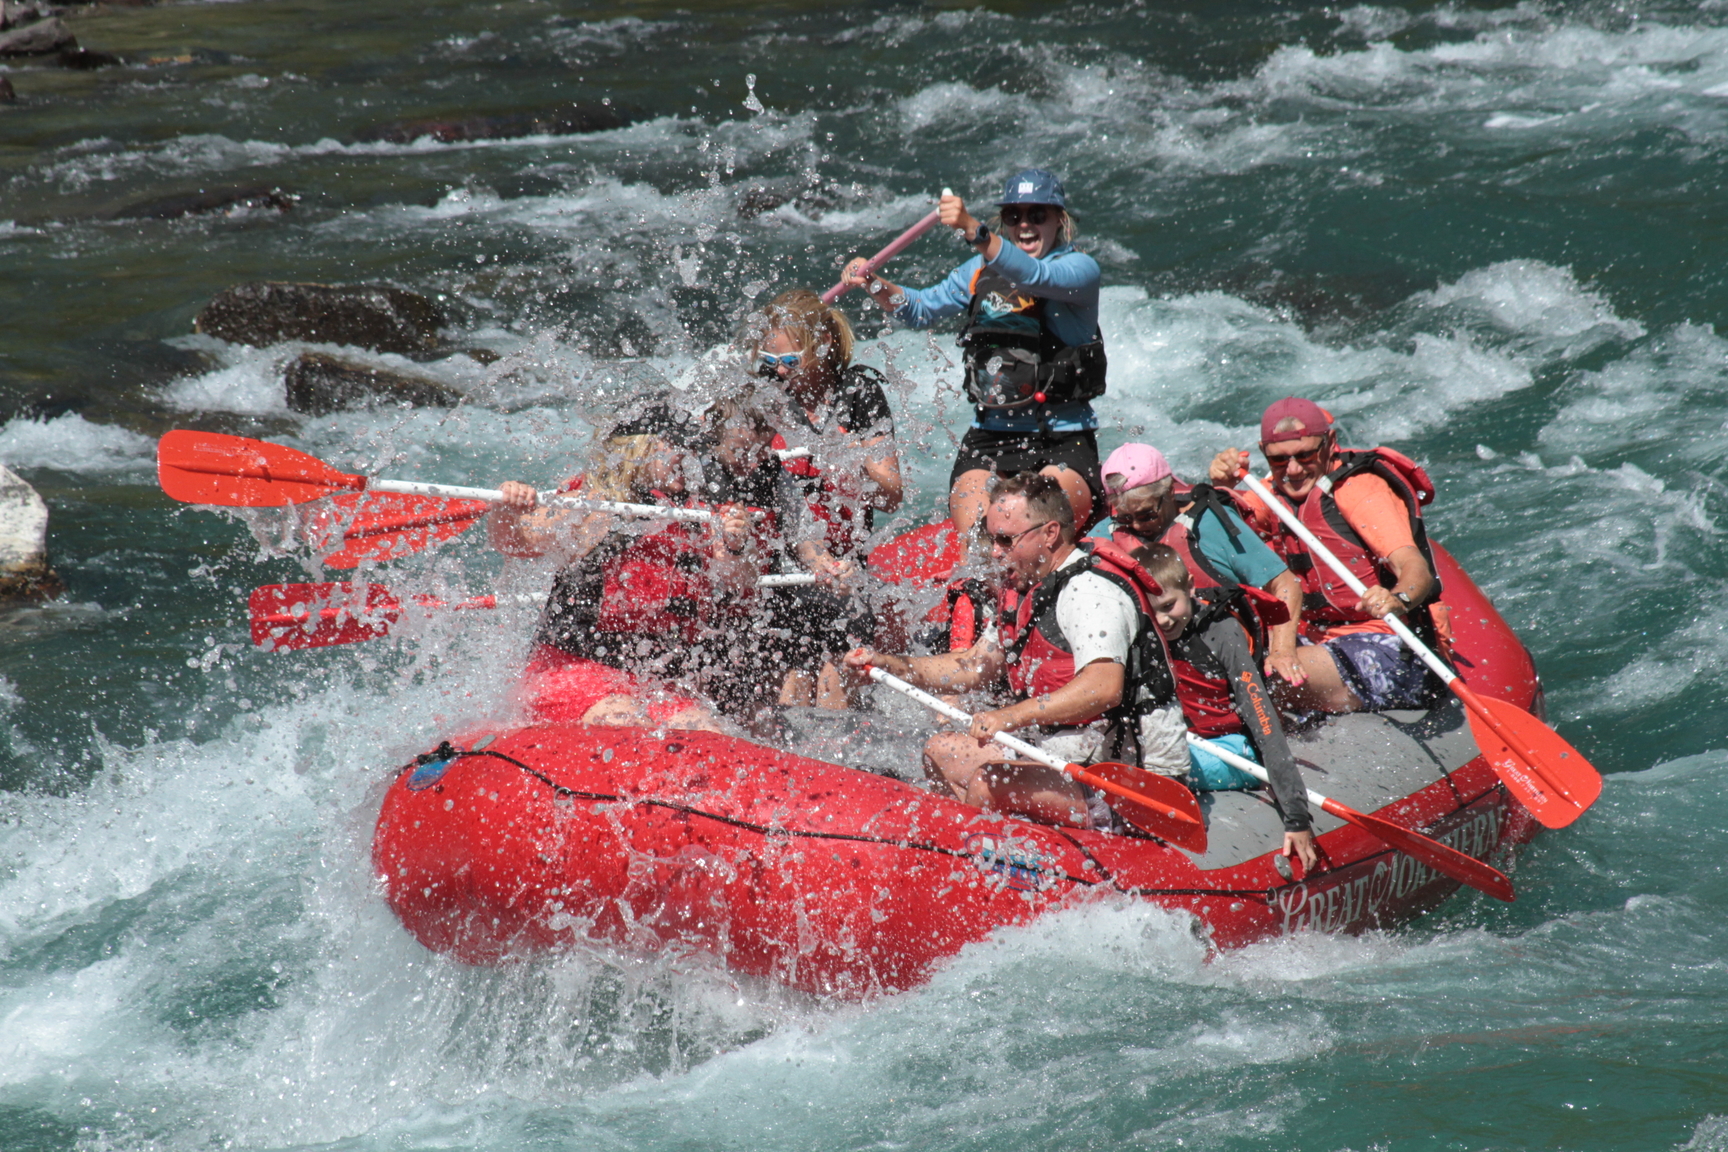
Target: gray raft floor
(1366, 760)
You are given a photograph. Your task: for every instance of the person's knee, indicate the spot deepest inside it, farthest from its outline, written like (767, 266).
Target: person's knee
(1074, 486)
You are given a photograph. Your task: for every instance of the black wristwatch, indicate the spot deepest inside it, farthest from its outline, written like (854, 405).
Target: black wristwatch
(980, 236)
(1405, 596)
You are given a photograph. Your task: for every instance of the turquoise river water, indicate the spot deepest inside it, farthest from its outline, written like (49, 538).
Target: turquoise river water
(1493, 236)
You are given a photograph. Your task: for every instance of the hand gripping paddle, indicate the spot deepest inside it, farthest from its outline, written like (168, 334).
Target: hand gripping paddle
(1443, 859)
(378, 518)
(900, 244)
(1155, 804)
(1545, 773)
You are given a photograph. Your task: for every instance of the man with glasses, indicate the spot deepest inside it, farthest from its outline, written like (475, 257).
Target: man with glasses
(1078, 648)
(1149, 505)
(1365, 506)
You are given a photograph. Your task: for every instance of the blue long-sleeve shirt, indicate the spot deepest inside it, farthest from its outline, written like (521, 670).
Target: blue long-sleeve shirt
(1068, 283)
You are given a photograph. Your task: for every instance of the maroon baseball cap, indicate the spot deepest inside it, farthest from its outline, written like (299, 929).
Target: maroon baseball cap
(1292, 418)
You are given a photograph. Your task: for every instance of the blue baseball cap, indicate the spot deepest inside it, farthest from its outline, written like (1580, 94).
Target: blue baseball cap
(1033, 186)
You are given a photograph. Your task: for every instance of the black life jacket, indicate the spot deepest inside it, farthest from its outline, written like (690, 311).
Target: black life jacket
(1013, 361)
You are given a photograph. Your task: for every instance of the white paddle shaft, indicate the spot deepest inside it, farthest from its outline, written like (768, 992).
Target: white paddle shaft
(494, 496)
(937, 704)
(1247, 765)
(1294, 523)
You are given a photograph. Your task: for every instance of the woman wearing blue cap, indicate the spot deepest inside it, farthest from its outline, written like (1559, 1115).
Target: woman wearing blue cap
(1034, 358)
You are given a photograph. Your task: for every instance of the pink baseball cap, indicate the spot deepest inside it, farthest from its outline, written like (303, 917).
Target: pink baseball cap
(1136, 464)
(1303, 417)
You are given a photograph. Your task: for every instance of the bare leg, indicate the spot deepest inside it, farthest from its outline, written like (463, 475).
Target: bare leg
(969, 499)
(830, 691)
(797, 689)
(983, 778)
(620, 711)
(1324, 690)
(1074, 486)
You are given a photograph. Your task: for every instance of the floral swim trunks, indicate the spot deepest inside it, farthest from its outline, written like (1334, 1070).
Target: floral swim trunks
(1382, 672)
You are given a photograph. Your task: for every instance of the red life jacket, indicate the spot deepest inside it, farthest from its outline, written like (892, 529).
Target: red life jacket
(1183, 533)
(659, 584)
(1039, 657)
(1326, 600)
(655, 585)
(1202, 684)
(843, 530)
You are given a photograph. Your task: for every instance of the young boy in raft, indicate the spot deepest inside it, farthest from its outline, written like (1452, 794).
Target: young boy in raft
(1224, 699)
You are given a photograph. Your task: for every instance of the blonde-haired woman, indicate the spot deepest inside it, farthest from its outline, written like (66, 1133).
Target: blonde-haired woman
(635, 608)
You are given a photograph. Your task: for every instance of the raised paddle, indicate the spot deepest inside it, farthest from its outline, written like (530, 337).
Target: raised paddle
(1547, 775)
(903, 242)
(1442, 858)
(1155, 804)
(295, 616)
(234, 472)
(385, 527)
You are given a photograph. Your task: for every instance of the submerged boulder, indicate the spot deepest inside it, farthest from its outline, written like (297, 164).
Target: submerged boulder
(208, 200)
(562, 120)
(374, 316)
(317, 385)
(24, 570)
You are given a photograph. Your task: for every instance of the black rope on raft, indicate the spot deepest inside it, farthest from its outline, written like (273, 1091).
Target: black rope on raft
(446, 751)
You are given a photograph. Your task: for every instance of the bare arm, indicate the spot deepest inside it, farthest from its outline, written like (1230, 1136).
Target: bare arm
(1097, 688)
(1414, 578)
(518, 526)
(1281, 639)
(884, 472)
(961, 671)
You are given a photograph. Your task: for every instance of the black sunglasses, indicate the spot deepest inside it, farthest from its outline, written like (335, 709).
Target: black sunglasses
(1036, 214)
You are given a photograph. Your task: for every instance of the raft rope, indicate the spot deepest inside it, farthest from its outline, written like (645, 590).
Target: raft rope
(449, 752)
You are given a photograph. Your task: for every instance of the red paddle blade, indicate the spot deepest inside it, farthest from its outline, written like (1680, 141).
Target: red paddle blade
(321, 615)
(1446, 860)
(234, 472)
(1155, 804)
(1545, 773)
(384, 525)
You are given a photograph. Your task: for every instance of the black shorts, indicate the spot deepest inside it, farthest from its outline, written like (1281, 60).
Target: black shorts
(1006, 453)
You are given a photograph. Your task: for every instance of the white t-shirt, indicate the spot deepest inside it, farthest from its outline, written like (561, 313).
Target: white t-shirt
(1098, 618)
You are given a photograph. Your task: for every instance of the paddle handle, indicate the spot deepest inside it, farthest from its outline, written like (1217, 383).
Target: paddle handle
(1294, 523)
(937, 704)
(1248, 766)
(903, 242)
(494, 496)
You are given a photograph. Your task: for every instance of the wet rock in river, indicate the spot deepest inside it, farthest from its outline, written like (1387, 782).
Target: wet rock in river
(373, 316)
(318, 385)
(24, 570)
(564, 120)
(38, 39)
(85, 60)
(207, 200)
(7, 95)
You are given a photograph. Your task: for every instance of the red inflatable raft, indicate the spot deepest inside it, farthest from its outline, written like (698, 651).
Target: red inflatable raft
(841, 881)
